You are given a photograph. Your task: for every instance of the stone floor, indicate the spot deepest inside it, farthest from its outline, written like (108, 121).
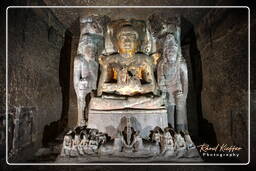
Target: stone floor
(126, 159)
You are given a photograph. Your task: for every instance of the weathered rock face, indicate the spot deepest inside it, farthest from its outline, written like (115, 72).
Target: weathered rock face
(222, 38)
(35, 39)
(68, 15)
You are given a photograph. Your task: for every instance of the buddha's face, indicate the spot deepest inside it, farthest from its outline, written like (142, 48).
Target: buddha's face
(127, 41)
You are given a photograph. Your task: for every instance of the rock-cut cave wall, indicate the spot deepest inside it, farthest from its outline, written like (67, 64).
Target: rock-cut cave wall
(37, 47)
(222, 39)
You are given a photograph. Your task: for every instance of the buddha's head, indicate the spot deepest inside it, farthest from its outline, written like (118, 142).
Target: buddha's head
(127, 40)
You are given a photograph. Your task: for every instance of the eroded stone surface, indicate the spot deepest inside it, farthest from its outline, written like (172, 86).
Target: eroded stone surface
(34, 50)
(223, 44)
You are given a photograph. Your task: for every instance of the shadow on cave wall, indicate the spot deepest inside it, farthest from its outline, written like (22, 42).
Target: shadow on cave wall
(52, 130)
(201, 129)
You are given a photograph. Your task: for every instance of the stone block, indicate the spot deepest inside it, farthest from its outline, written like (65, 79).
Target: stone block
(111, 122)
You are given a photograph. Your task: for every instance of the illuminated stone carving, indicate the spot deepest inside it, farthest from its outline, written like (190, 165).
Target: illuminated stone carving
(142, 80)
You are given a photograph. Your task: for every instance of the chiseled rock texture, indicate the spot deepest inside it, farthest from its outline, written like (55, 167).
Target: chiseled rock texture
(222, 39)
(35, 40)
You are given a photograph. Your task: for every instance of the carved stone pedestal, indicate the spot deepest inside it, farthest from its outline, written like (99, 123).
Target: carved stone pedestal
(113, 121)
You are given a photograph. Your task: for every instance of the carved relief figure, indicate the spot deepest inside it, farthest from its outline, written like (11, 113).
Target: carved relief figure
(171, 69)
(67, 144)
(75, 144)
(189, 142)
(168, 143)
(180, 143)
(85, 64)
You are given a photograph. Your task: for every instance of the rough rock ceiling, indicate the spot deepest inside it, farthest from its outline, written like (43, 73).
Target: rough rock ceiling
(68, 16)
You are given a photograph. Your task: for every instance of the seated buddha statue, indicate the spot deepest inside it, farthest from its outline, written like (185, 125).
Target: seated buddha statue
(127, 77)
(127, 72)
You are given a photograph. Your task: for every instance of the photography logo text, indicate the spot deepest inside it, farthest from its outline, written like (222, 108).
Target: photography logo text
(220, 150)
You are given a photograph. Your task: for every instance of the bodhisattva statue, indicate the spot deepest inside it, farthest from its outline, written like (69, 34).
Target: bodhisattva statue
(85, 65)
(127, 72)
(172, 78)
(172, 71)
